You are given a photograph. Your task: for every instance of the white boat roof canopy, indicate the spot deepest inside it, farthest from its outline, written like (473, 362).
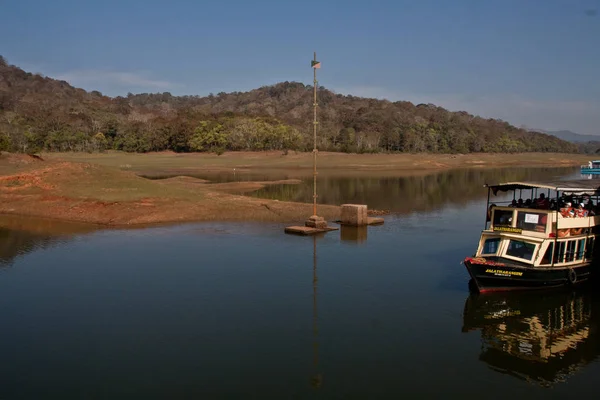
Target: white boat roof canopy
(574, 187)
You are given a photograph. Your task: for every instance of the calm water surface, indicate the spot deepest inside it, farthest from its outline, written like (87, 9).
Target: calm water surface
(221, 310)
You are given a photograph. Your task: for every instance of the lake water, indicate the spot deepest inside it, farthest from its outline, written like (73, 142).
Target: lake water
(241, 310)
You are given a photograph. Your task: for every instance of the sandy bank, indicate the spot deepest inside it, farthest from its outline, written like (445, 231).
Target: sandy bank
(102, 195)
(107, 189)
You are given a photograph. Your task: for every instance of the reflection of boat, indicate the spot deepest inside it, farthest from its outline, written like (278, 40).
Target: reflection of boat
(593, 167)
(542, 337)
(539, 245)
(590, 176)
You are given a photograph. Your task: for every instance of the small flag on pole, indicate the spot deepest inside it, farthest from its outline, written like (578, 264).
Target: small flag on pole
(315, 64)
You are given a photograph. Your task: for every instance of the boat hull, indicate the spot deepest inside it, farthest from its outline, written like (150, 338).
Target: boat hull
(494, 276)
(591, 171)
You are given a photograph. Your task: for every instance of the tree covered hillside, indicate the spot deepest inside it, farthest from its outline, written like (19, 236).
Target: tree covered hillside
(40, 113)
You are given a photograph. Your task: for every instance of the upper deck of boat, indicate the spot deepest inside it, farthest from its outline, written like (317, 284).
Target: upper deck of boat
(564, 212)
(578, 187)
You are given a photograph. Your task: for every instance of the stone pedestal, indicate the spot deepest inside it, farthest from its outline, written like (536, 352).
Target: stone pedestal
(354, 215)
(315, 221)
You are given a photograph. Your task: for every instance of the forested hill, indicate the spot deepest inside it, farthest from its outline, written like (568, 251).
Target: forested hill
(42, 113)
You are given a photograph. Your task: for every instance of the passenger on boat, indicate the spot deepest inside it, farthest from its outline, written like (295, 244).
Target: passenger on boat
(514, 203)
(520, 203)
(567, 210)
(590, 207)
(569, 199)
(581, 211)
(542, 202)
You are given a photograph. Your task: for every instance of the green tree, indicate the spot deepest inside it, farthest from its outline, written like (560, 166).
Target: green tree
(99, 142)
(347, 140)
(208, 136)
(5, 142)
(32, 143)
(132, 139)
(179, 134)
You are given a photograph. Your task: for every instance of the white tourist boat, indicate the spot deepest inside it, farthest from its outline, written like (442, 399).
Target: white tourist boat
(546, 241)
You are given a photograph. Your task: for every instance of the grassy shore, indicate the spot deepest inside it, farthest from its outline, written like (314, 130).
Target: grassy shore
(107, 189)
(300, 164)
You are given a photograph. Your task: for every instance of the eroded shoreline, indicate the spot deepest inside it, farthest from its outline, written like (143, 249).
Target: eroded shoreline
(108, 191)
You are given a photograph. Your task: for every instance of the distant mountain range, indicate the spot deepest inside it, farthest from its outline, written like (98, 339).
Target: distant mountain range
(571, 136)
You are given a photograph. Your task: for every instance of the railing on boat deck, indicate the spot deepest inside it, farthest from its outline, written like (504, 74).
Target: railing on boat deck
(571, 245)
(537, 222)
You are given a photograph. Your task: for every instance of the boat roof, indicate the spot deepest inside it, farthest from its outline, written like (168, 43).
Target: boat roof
(576, 187)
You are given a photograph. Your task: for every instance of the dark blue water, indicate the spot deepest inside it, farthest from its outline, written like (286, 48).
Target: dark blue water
(221, 310)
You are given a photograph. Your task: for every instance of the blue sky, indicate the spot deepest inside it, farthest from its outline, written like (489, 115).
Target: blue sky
(530, 62)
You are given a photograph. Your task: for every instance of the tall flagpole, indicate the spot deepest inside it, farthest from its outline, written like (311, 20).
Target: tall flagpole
(314, 223)
(315, 65)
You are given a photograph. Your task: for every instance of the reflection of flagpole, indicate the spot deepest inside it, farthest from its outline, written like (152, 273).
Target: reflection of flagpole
(317, 379)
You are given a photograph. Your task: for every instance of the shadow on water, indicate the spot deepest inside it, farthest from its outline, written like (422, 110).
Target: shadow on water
(353, 234)
(221, 176)
(317, 377)
(408, 193)
(20, 235)
(541, 338)
(15, 243)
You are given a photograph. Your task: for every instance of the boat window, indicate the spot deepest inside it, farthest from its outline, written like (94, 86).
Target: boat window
(580, 249)
(490, 246)
(532, 221)
(547, 259)
(520, 249)
(503, 217)
(589, 249)
(559, 254)
(570, 253)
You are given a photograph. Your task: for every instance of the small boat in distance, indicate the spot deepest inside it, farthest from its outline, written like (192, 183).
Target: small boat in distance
(592, 167)
(538, 243)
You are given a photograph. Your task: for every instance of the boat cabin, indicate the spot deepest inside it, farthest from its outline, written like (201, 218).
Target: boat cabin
(593, 164)
(555, 226)
(592, 167)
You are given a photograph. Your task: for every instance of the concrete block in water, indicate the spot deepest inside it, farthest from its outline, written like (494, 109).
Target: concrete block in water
(354, 214)
(307, 230)
(313, 225)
